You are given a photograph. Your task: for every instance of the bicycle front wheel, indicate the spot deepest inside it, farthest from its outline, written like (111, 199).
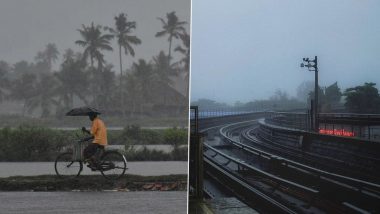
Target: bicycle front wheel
(113, 165)
(66, 166)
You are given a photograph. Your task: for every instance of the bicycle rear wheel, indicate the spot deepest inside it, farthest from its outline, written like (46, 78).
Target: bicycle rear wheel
(65, 166)
(113, 165)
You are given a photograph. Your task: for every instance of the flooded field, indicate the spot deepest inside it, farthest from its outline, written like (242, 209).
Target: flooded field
(145, 168)
(93, 202)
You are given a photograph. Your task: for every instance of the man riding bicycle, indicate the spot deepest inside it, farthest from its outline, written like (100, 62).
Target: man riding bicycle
(99, 136)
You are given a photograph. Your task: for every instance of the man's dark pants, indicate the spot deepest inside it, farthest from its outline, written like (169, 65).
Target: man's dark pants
(93, 150)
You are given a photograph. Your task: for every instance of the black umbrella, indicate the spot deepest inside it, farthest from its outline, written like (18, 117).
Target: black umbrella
(82, 111)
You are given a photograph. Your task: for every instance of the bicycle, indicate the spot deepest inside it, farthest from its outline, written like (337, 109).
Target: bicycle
(111, 164)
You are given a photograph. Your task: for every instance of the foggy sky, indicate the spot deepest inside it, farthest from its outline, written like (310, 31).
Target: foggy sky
(245, 50)
(28, 25)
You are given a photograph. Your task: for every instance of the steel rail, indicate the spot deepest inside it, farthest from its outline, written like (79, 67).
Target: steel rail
(261, 172)
(273, 204)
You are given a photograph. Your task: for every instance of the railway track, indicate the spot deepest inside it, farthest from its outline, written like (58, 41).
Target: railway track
(272, 183)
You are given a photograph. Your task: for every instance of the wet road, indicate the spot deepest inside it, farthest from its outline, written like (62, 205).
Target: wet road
(92, 202)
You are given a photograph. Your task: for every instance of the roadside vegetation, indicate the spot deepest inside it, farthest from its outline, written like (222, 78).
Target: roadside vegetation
(32, 143)
(94, 183)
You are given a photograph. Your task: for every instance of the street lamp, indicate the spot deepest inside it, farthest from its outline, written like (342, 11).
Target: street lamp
(312, 65)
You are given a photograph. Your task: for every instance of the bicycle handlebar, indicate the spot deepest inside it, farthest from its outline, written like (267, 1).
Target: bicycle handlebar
(85, 139)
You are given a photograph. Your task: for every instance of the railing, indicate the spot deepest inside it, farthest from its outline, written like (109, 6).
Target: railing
(220, 112)
(351, 116)
(243, 165)
(366, 126)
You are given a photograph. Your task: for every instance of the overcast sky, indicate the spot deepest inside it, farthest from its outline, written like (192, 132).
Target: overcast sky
(28, 25)
(245, 50)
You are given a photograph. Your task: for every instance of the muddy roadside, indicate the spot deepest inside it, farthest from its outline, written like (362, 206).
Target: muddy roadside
(94, 183)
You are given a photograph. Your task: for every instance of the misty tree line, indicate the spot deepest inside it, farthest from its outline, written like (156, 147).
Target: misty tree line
(359, 99)
(86, 77)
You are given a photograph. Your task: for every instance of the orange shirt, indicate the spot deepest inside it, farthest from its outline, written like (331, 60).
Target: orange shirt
(99, 131)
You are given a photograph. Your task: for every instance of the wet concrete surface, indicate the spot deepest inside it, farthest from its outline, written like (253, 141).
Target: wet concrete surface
(93, 202)
(220, 206)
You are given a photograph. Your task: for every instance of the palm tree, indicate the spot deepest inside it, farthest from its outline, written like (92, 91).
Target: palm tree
(72, 78)
(94, 42)
(143, 75)
(43, 95)
(163, 71)
(69, 55)
(185, 51)
(172, 28)
(52, 53)
(20, 68)
(23, 88)
(49, 55)
(124, 40)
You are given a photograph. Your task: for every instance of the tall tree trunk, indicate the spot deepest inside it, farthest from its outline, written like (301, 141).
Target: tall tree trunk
(121, 84)
(95, 90)
(169, 56)
(170, 49)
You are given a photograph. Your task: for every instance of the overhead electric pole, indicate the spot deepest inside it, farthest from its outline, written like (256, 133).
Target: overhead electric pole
(312, 65)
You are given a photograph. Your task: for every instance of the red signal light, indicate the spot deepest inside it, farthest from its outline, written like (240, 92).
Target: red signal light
(337, 132)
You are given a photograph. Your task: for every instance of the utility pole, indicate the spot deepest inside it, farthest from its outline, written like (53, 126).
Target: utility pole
(312, 65)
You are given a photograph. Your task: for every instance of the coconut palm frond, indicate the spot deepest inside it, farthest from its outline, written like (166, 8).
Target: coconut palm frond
(161, 33)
